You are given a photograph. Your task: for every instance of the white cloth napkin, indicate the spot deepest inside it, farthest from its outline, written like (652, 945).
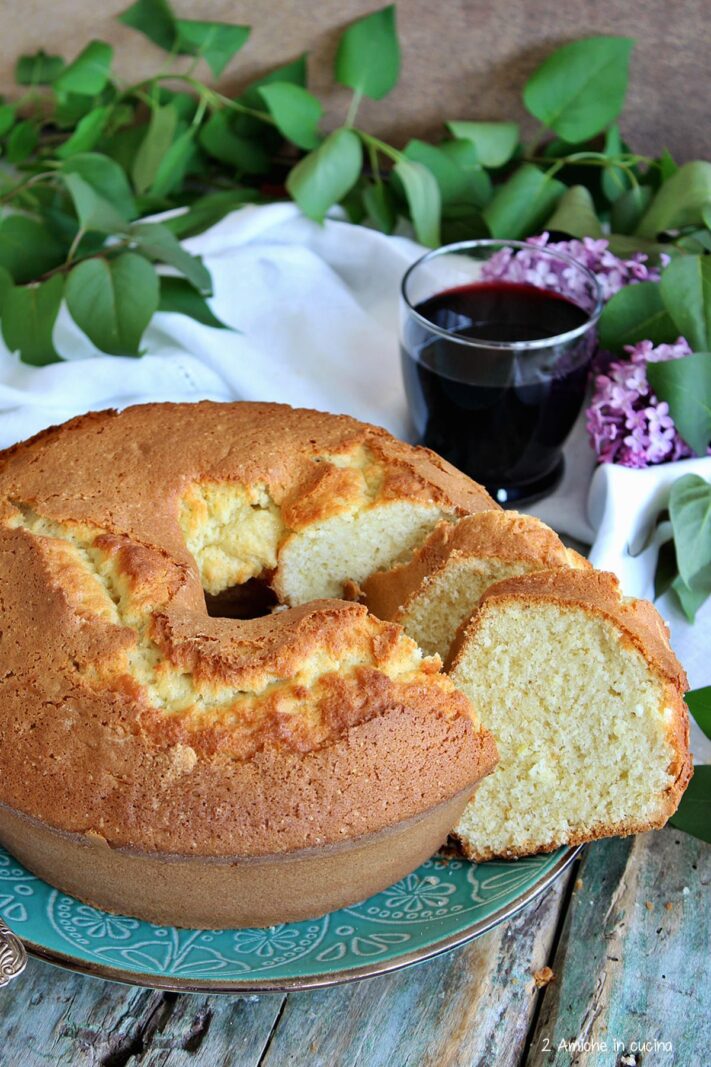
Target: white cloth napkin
(317, 311)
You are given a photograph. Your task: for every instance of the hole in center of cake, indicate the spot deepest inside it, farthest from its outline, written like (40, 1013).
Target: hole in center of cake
(250, 600)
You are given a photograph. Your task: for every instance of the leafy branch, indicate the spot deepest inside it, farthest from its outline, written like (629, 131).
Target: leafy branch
(694, 813)
(87, 156)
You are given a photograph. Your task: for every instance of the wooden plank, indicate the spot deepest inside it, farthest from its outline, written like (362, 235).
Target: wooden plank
(632, 961)
(213, 1032)
(51, 1016)
(470, 1006)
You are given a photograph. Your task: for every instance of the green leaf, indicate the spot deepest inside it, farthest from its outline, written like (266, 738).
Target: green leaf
(691, 598)
(698, 702)
(666, 570)
(495, 142)
(219, 139)
(324, 177)
(294, 73)
(175, 164)
(423, 198)
(686, 291)
(29, 313)
(680, 201)
(156, 142)
(106, 177)
(615, 179)
(580, 89)
(38, 69)
(629, 207)
(22, 142)
(71, 108)
(575, 214)
(158, 243)
(6, 284)
(694, 813)
(208, 210)
(248, 125)
(60, 219)
(154, 19)
(296, 112)
(178, 295)
(379, 203)
(368, 56)
(113, 301)
(456, 169)
(523, 203)
(685, 384)
(557, 148)
(27, 248)
(667, 165)
(87, 133)
(697, 243)
(453, 182)
(93, 211)
(123, 146)
(462, 222)
(184, 103)
(123, 114)
(7, 118)
(635, 313)
(690, 514)
(352, 202)
(464, 154)
(216, 42)
(89, 72)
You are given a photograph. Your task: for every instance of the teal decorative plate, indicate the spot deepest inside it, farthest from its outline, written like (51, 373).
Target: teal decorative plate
(444, 903)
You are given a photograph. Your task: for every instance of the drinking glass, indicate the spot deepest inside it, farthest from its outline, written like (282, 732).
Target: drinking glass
(496, 342)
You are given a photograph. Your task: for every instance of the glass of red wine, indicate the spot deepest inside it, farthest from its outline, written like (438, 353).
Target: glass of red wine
(496, 341)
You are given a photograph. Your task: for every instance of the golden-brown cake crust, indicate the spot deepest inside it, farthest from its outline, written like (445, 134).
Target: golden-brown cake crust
(600, 592)
(639, 624)
(161, 447)
(84, 750)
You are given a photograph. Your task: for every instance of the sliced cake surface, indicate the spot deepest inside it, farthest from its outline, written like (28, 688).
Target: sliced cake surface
(585, 699)
(440, 585)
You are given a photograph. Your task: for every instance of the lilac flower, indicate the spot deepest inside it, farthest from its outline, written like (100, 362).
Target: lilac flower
(612, 273)
(626, 423)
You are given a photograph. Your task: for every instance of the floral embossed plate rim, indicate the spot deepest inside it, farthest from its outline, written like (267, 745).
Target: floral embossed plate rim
(441, 905)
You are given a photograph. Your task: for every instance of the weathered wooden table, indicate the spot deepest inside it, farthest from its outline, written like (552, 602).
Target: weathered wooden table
(626, 933)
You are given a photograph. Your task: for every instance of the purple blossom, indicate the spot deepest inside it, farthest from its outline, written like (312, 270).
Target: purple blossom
(626, 423)
(612, 273)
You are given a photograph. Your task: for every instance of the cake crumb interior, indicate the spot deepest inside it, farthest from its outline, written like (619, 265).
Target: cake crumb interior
(576, 717)
(447, 598)
(342, 527)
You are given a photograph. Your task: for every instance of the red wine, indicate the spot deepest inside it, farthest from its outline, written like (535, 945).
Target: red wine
(498, 413)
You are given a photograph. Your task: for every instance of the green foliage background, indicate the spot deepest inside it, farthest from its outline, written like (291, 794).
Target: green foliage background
(84, 157)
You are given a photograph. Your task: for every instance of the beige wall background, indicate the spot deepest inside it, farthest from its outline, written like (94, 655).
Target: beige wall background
(461, 58)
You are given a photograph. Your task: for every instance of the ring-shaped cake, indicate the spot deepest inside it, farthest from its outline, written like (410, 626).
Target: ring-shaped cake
(160, 758)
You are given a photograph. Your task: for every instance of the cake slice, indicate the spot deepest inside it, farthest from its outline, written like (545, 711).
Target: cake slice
(440, 585)
(584, 697)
